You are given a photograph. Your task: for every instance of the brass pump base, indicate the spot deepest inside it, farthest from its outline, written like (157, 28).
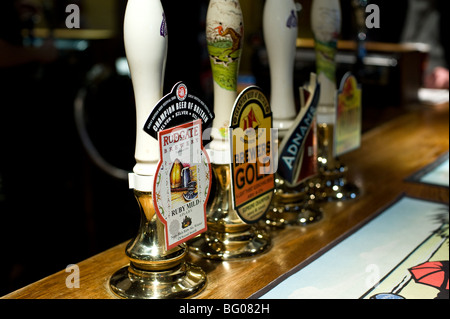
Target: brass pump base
(153, 271)
(228, 237)
(292, 206)
(183, 281)
(229, 243)
(293, 214)
(333, 186)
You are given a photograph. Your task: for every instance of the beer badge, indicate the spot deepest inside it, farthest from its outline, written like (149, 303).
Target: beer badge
(252, 158)
(182, 183)
(347, 131)
(183, 176)
(176, 108)
(298, 149)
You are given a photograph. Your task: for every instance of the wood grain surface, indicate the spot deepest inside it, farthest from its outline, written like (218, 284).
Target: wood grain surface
(389, 154)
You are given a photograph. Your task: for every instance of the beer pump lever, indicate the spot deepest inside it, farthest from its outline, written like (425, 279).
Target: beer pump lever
(153, 272)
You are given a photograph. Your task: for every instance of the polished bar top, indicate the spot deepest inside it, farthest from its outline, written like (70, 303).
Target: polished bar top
(389, 154)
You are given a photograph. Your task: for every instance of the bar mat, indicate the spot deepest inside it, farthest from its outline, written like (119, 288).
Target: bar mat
(387, 257)
(437, 173)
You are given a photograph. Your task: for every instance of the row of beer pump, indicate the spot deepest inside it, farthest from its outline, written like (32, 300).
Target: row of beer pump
(271, 165)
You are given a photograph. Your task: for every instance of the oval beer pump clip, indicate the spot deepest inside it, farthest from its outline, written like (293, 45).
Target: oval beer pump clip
(153, 272)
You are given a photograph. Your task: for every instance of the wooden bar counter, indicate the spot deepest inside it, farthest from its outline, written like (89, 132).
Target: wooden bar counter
(389, 154)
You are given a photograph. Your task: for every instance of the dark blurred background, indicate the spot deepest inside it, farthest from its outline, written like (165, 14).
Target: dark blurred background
(59, 203)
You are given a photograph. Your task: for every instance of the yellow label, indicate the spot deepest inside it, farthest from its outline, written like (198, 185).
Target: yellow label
(347, 135)
(252, 160)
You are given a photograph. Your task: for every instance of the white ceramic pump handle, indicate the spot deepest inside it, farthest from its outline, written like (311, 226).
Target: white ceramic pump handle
(326, 26)
(280, 23)
(225, 38)
(145, 36)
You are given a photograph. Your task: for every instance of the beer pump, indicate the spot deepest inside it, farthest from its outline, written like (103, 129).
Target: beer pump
(291, 205)
(228, 236)
(154, 271)
(326, 24)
